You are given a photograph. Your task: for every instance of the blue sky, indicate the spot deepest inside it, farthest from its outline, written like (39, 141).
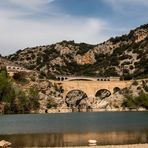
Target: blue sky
(27, 23)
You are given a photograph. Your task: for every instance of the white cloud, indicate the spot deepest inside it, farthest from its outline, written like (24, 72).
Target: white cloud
(119, 4)
(21, 33)
(21, 8)
(31, 4)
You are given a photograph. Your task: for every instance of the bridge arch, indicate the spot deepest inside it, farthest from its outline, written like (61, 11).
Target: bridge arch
(103, 93)
(74, 98)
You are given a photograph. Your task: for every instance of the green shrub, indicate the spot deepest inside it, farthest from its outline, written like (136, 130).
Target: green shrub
(34, 98)
(129, 103)
(33, 78)
(20, 77)
(142, 100)
(6, 90)
(110, 72)
(135, 83)
(51, 104)
(42, 75)
(126, 92)
(136, 102)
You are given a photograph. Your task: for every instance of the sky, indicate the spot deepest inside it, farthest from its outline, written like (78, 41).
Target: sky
(28, 23)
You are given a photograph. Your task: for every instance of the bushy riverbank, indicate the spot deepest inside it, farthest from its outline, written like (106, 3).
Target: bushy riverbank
(22, 94)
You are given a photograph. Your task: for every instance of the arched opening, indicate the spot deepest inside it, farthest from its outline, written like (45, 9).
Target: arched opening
(102, 94)
(76, 99)
(80, 80)
(62, 79)
(116, 89)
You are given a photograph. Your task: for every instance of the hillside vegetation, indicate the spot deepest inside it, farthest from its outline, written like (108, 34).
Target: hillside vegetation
(125, 56)
(13, 99)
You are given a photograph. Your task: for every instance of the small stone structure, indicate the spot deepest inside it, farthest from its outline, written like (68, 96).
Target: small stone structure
(13, 69)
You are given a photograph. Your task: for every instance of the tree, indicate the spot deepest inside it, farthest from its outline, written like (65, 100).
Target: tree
(34, 98)
(136, 102)
(21, 102)
(6, 90)
(15, 100)
(142, 100)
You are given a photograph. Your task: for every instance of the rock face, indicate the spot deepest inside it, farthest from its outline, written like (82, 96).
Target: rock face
(74, 98)
(4, 144)
(140, 35)
(103, 93)
(87, 58)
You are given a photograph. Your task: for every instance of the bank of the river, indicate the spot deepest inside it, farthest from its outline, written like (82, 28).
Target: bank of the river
(117, 146)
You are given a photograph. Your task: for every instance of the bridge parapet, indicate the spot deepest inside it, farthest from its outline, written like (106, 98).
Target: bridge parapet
(80, 78)
(13, 69)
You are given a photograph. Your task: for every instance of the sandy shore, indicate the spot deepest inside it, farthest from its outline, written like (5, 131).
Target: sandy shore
(116, 146)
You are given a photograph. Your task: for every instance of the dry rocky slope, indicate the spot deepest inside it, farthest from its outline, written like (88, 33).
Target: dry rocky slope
(125, 56)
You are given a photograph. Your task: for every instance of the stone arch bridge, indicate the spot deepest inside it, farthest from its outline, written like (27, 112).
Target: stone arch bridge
(91, 87)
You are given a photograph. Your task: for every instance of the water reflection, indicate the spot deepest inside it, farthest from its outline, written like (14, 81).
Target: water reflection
(74, 129)
(76, 139)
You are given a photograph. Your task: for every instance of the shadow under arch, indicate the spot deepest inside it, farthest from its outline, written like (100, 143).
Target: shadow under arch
(103, 93)
(74, 97)
(80, 79)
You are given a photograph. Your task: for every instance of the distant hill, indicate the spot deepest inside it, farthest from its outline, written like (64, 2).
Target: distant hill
(125, 56)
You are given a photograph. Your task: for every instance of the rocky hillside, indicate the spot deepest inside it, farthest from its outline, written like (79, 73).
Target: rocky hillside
(5, 62)
(125, 56)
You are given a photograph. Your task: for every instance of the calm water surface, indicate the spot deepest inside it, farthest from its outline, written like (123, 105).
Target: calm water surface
(75, 129)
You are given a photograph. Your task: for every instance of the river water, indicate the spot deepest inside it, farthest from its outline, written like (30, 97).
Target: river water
(74, 129)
